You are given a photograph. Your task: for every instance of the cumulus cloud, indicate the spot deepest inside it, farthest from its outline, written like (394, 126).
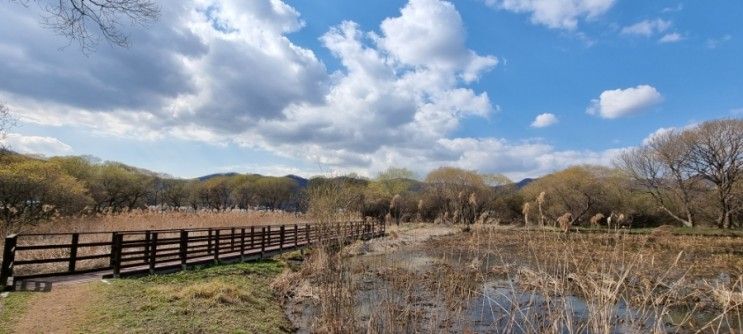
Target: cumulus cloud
(227, 71)
(431, 33)
(36, 145)
(623, 102)
(544, 120)
(556, 14)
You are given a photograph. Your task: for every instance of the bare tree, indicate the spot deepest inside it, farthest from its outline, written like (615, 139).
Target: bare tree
(6, 122)
(87, 21)
(659, 167)
(716, 155)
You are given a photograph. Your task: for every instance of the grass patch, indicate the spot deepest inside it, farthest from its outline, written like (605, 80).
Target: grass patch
(12, 309)
(233, 298)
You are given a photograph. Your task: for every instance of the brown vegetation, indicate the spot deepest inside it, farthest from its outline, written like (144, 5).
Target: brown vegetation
(505, 280)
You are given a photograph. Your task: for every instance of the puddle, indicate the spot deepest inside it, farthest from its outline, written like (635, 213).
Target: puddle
(504, 306)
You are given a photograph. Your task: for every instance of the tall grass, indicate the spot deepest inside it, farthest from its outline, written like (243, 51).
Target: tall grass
(498, 280)
(146, 219)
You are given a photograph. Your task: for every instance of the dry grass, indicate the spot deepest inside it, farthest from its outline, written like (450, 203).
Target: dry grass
(218, 299)
(510, 280)
(148, 220)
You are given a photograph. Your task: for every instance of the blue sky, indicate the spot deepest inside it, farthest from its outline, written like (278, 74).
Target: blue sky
(521, 87)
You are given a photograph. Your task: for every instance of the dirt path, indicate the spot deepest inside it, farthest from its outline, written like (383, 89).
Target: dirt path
(57, 311)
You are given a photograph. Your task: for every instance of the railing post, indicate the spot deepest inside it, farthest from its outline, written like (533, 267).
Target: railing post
(184, 249)
(242, 244)
(6, 272)
(296, 235)
(209, 242)
(73, 252)
(281, 238)
(307, 234)
(117, 241)
(252, 237)
(153, 252)
(216, 246)
(263, 240)
(232, 239)
(147, 246)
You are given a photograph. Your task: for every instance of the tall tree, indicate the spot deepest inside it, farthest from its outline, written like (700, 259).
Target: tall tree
(34, 190)
(716, 155)
(659, 167)
(273, 192)
(575, 190)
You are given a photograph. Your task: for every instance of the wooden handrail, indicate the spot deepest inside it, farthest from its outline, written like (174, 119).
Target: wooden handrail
(149, 249)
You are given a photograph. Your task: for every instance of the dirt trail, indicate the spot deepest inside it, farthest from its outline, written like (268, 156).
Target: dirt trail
(57, 311)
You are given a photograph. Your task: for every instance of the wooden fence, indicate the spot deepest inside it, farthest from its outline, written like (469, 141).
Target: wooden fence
(27, 256)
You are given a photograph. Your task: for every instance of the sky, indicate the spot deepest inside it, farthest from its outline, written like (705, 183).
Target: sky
(327, 87)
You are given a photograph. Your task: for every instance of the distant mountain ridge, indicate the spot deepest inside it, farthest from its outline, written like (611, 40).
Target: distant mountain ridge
(211, 176)
(302, 182)
(525, 182)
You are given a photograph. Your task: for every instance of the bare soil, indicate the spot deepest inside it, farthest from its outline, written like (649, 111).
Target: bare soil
(56, 311)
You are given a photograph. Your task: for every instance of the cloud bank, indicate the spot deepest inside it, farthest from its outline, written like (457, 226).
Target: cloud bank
(37, 145)
(228, 72)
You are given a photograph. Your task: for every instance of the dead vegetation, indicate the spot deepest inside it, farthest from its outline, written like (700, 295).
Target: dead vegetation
(510, 280)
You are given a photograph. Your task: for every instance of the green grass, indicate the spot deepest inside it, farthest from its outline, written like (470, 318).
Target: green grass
(12, 309)
(233, 298)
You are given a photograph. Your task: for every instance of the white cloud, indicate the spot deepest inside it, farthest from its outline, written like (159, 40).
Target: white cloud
(556, 14)
(656, 134)
(228, 72)
(647, 28)
(431, 33)
(36, 145)
(672, 9)
(622, 102)
(713, 43)
(671, 38)
(544, 120)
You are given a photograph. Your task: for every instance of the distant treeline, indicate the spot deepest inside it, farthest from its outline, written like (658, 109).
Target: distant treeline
(684, 177)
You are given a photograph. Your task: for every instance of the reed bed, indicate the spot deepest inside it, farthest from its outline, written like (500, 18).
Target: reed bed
(515, 281)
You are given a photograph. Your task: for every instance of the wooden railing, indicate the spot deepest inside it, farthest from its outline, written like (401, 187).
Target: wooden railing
(27, 256)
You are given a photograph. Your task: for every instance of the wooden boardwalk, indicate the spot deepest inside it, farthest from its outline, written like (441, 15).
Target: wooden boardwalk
(30, 260)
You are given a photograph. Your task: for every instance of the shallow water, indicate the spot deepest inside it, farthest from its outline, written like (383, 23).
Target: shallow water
(403, 291)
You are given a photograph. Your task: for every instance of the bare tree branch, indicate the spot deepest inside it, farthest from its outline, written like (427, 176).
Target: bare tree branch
(7, 121)
(87, 21)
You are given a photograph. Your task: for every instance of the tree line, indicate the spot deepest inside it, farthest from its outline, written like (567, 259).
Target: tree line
(34, 189)
(686, 177)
